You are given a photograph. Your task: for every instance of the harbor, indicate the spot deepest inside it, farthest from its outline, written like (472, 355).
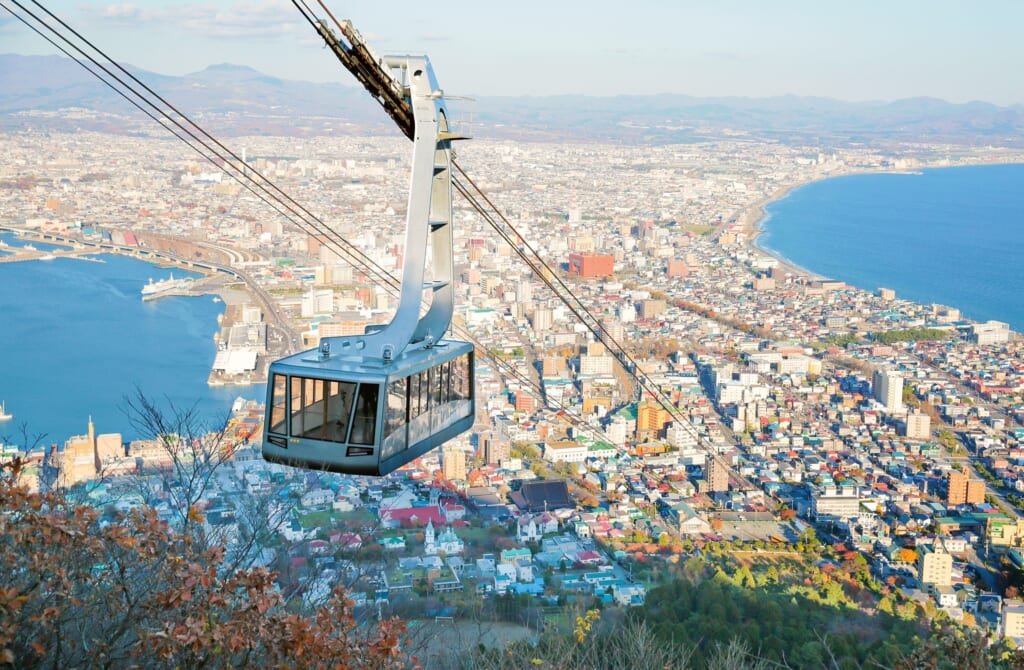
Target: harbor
(250, 330)
(55, 378)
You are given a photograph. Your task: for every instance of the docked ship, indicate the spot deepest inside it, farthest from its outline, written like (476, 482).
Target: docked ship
(155, 289)
(4, 416)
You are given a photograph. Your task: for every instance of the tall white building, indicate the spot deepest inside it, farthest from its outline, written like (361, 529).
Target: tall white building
(618, 429)
(542, 320)
(918, 426)
(524, 291)
(836, 502)
(934, 565)
(453, 463)
(888, 389)
(681, 437)
(990, 332)
(317, 301)
(596, 365)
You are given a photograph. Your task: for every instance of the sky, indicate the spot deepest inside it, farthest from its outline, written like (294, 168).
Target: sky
(851, 50)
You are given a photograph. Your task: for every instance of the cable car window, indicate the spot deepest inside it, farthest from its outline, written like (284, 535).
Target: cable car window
(279, 406)
(394, 426)
(435, 399)
(311, 416)
(459, 379)
(422, 391)
(419, 421)
(435, 388)
(339, 409)
(321, 409)
(414, 396)
(297, 406)
(364, 424)
(446, 382)
(425, 392)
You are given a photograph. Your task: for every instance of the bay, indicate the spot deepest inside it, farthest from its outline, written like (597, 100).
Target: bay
(76, 340)
(952, 236)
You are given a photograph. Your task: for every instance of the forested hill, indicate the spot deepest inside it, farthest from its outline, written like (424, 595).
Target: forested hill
(77, 592)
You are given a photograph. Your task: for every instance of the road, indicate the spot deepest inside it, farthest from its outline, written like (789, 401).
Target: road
(281, 339)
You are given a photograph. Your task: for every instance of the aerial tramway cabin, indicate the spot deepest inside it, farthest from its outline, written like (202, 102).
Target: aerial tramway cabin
(349, 417)
(368, 404)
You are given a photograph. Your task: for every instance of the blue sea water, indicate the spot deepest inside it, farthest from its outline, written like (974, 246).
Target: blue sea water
(76, 339)
(953, 236)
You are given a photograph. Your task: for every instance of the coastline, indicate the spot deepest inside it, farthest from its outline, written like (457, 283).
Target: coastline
(207, 283)
(755, 217)
(122, 345)
(212, 281)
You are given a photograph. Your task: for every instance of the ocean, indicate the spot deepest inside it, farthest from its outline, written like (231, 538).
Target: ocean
(76, 340)
(952, 236)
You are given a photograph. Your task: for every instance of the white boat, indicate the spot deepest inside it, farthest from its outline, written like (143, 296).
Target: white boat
(47, 257)
(156, 288)
(4, 416)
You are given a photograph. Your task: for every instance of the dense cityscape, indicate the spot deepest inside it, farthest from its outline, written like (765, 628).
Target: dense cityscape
(823, 424)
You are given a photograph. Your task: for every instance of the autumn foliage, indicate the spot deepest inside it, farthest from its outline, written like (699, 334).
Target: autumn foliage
(78, 591)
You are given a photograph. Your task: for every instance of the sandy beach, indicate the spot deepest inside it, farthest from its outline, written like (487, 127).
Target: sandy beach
(754, 217)
(753, 221)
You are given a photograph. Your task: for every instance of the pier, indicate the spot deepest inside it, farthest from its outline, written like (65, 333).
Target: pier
(22, 255)
(204, 258)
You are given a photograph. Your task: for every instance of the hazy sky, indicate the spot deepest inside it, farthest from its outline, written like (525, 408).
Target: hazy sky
(848, 49)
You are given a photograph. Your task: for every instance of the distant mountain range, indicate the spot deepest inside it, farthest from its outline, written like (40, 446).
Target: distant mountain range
(245, 101)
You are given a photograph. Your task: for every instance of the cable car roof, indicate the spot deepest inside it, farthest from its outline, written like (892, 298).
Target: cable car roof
(358, 367)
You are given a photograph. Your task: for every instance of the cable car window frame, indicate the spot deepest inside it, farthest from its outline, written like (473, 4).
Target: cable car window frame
(420, 423)
(314, 403)
(396, 418)
(435, 388)
(414, 396)
(364, 414)
(279, 405)
(339, 422)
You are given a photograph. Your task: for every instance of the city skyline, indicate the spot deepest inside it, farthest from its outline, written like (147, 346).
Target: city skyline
(690, 407)
(869, 51)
